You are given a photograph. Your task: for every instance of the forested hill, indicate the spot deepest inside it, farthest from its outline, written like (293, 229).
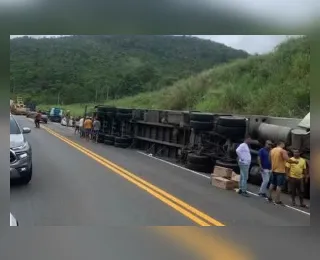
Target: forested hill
(96, 68)
(272, 84)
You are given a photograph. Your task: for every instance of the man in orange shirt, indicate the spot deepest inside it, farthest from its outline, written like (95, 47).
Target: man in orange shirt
(87, 125)
(279, 158)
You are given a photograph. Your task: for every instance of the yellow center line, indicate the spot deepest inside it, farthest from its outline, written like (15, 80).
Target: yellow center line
(188, 211)
(204, 243)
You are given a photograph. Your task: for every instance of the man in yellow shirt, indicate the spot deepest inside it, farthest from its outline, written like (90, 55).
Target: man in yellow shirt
(296, 173)
(87, 125)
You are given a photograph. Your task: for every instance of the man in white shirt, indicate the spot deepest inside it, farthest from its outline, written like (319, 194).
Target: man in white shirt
(81, 127)
(244, 161)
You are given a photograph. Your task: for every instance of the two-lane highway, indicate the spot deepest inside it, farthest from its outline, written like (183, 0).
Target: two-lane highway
(79, 183)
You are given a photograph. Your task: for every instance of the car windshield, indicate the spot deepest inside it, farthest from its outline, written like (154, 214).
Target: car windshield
(14, 128)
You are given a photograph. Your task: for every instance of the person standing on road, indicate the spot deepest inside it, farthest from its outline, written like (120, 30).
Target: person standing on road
(96, 129)
(244, 161)
(81, 121)
(87, 125)
(77, 125)
(265, 167)
(68, 117)
(279, 157)
(296, 173)
(37, 119)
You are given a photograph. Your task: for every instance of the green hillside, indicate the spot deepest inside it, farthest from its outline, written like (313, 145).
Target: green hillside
(272, 84)
(81, 69)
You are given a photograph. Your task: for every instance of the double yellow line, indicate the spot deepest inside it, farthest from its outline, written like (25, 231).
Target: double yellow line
(185, 209)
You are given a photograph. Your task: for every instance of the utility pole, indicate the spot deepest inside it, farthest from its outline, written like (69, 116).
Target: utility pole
(96, 97)
(13, 86)
(58, 98)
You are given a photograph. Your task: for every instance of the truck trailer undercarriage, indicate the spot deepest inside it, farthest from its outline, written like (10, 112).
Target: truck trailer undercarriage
(201, 140)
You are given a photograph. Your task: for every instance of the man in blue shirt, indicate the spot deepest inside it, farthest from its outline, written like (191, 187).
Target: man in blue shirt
(265, 167)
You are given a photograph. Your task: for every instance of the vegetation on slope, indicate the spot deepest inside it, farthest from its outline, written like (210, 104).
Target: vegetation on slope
(80, 69)
(273, 84)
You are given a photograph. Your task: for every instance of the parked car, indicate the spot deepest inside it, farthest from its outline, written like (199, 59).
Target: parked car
(20, 153)
(31, 114)
(64, 122)
(13, 221)
(44, 117)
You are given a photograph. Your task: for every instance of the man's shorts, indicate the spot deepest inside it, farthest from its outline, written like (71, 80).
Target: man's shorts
(87, 131)
(278, 179)
(95, 132)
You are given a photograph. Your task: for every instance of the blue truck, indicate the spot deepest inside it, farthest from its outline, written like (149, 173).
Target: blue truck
(55, 114)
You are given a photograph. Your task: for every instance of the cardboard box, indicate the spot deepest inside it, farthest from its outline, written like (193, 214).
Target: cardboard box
(222, 183)
(222, 172)
(235, 177)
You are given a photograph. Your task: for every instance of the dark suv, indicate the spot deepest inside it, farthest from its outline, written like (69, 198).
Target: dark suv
(20, 153)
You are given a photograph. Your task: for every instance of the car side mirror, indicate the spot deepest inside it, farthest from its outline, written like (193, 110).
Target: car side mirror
(26, 130)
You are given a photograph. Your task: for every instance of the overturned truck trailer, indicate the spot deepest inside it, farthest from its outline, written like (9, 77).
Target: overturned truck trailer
(200, 140)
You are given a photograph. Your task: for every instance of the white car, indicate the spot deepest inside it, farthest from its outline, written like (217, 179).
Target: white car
(13, 221)
(64, 122)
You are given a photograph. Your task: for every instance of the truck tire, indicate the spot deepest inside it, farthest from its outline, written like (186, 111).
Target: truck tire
(234, 132)
(108, 142)
(232, 121)
(255, 175)
(198, 159)
(100, 138)
(110, 114)
(122, 145)
(231, 165)
(109, 138)
(124, 110)
(104, 109)
(201, 117)
(123, 140)
(202, 126)
(199, 167)
(124, 116)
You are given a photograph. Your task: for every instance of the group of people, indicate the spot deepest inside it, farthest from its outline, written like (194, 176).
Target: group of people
(276, 167)
(88, 128)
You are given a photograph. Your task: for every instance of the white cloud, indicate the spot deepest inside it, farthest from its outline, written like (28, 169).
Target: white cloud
(250, 43)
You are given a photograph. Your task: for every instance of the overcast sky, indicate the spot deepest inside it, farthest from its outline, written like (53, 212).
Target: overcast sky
(250, 43)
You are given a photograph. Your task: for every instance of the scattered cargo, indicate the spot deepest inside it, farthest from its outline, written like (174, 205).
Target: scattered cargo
(222, 183)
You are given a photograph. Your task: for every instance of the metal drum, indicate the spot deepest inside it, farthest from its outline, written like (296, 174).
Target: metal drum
(274, 133)
(297, 138)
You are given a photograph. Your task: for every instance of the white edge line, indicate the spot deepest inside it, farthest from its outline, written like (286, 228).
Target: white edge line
(207, 177)
(175, 165)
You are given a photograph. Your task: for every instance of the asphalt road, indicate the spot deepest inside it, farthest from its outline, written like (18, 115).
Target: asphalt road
(77, 183)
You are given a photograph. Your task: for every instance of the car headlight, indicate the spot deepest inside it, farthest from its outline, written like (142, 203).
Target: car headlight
(22, 147)
(22, 155)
